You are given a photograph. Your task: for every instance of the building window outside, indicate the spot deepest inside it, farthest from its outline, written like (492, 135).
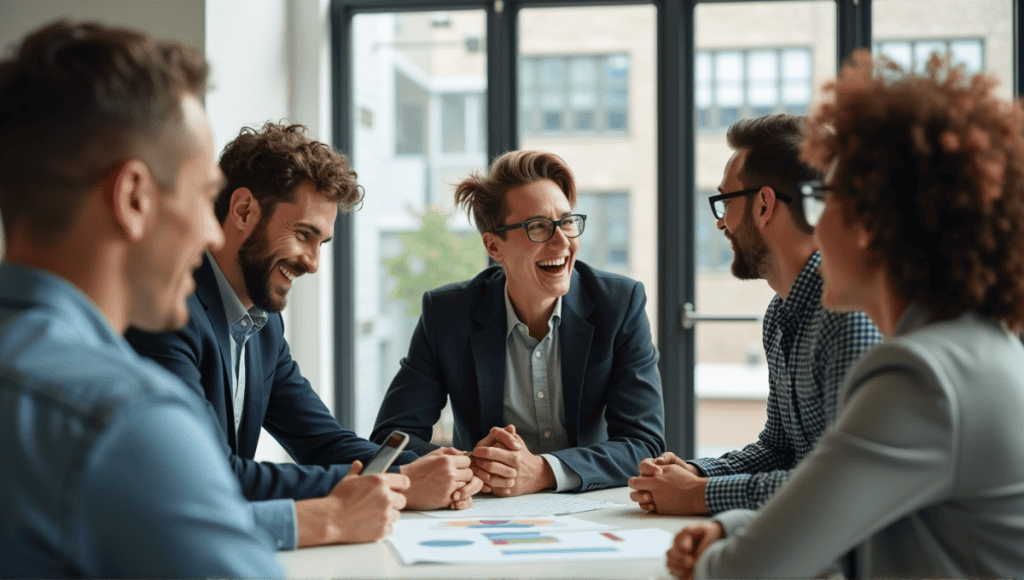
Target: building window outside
(574, 95)
(605, 243)
(914, 54)
(740, 84)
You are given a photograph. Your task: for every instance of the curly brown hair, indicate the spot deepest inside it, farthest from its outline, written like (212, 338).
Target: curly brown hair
(933, 165)
(77, 100)
(274, 161)
(483, 196)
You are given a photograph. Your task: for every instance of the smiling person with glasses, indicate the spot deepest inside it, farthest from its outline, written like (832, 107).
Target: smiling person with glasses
(808, 349)
(548, 363)
(921, 474)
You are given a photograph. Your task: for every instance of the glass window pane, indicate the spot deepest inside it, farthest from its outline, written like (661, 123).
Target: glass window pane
(979, 33)
(616, 177)
(785, 63)
(405, 230)
(967, 52)
(923, 51)
(899, 52)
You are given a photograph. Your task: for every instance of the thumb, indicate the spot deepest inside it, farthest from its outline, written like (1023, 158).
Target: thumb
(356, 469)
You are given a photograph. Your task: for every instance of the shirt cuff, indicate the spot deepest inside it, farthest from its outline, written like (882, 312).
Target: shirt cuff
(565, 478)
(728, 492)
(278, 518)
(711, 467)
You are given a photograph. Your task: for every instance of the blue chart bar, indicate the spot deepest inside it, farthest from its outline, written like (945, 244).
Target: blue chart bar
(556, 551)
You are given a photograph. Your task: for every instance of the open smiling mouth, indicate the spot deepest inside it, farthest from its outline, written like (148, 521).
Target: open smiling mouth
(554, 266)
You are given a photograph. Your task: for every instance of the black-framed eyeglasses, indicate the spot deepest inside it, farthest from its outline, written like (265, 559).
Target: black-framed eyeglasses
(813, 194)
(540, 230)
(718, 201)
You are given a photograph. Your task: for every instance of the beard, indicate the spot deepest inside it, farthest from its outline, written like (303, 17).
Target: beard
(258, 264)
(750, 252)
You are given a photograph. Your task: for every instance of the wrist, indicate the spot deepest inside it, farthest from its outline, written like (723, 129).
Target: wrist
(316, 524)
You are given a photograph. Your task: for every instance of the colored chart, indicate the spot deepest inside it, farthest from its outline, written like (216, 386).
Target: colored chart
(490, 524)
(506, 538)
(446, 543)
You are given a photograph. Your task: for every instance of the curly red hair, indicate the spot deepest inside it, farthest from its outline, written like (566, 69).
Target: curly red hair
(933, 164)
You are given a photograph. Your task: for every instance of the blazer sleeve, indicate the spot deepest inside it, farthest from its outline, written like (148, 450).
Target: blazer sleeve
(633, 407)
(180, 353)
(418, 392)
(888, 456)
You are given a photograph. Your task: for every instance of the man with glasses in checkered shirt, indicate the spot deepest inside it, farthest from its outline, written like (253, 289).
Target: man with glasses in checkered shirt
(761, 210)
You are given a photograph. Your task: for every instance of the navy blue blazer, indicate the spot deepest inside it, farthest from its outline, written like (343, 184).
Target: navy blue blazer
(277, 398)
(614, 411)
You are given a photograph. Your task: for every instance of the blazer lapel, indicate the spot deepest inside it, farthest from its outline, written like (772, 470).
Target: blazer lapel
(576, 335)
(209, 296)
(488, 348)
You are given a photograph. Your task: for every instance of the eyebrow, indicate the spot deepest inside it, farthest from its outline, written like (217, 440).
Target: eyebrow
(315, 230)
(533, 217)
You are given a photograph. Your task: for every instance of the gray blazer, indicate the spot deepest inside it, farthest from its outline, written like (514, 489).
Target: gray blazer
(921, 475)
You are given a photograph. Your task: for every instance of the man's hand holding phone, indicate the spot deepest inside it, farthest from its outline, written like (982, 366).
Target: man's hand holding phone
(360, 508)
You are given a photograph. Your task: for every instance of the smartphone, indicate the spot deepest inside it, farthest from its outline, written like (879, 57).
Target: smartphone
(387, 454)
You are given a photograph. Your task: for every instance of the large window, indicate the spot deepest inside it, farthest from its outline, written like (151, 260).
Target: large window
(736, 84)
(914, 54)
(581, 94)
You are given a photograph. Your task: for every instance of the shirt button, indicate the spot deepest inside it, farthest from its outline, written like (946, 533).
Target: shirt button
(547, 434)
(540, 395)
(537, 354)
(245, 323)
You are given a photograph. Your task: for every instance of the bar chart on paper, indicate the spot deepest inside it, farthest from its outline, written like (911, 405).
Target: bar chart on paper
(517, 540)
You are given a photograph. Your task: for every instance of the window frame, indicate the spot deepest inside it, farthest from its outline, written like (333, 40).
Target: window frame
(676, 193)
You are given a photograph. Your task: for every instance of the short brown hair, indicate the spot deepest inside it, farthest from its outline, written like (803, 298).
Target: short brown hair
(933, 164)
(483, 196)
(76, 101)
(274, 161)
(773, 144)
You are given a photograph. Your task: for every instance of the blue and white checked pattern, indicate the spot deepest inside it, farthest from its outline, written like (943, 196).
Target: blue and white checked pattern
(809, 351)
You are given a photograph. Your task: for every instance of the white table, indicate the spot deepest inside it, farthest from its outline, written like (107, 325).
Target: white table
(378, 560)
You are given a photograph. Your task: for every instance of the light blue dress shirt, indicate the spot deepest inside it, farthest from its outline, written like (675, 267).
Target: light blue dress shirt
(533, 391)
(277, 516)
(111, 466)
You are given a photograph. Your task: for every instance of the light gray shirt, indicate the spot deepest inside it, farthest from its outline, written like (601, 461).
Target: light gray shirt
(533, 391)
(921, 475)
(242, 324)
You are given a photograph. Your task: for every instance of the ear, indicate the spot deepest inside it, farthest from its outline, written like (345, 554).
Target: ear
(491, 245)
(864, 236)
(132, 198)
(243, 210)
(766, 205)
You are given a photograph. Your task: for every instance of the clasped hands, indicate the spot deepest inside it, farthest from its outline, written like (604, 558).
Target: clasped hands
(668, 485)
(506, 467)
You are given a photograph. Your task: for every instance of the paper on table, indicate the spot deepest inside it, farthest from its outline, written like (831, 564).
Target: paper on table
(431, 528)
(474, 546)
(538, 504)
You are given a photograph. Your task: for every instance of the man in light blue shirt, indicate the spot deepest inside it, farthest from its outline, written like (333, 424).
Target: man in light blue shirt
(107, 172)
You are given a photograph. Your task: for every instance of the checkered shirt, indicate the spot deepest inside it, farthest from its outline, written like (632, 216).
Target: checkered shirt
(809, 351)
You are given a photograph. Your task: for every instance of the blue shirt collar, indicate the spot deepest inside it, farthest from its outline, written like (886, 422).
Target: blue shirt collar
(511, 320)
(806, 290)
(234, 311)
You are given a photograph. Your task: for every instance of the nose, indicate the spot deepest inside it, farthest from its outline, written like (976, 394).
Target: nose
(558, 239)
(720, 223)
(311, 259)
(214, 233)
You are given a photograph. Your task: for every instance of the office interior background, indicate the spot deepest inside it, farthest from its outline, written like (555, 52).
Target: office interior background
(635, 96)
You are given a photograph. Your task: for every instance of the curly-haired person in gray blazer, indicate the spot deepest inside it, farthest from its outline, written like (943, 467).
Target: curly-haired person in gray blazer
(548, 362)
(922, 227)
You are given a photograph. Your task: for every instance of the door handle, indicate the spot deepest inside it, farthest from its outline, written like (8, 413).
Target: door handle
(691, 317)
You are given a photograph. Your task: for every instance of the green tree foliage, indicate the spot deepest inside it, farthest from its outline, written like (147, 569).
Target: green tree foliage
(432, 256)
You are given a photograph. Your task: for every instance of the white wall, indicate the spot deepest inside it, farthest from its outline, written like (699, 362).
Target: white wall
(270, 61)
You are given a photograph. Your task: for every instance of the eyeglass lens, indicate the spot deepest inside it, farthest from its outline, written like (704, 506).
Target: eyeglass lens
(813, 206)
(541, 230)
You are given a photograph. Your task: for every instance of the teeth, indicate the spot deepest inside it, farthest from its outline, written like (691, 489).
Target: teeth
(286, 273)
(552, 262)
